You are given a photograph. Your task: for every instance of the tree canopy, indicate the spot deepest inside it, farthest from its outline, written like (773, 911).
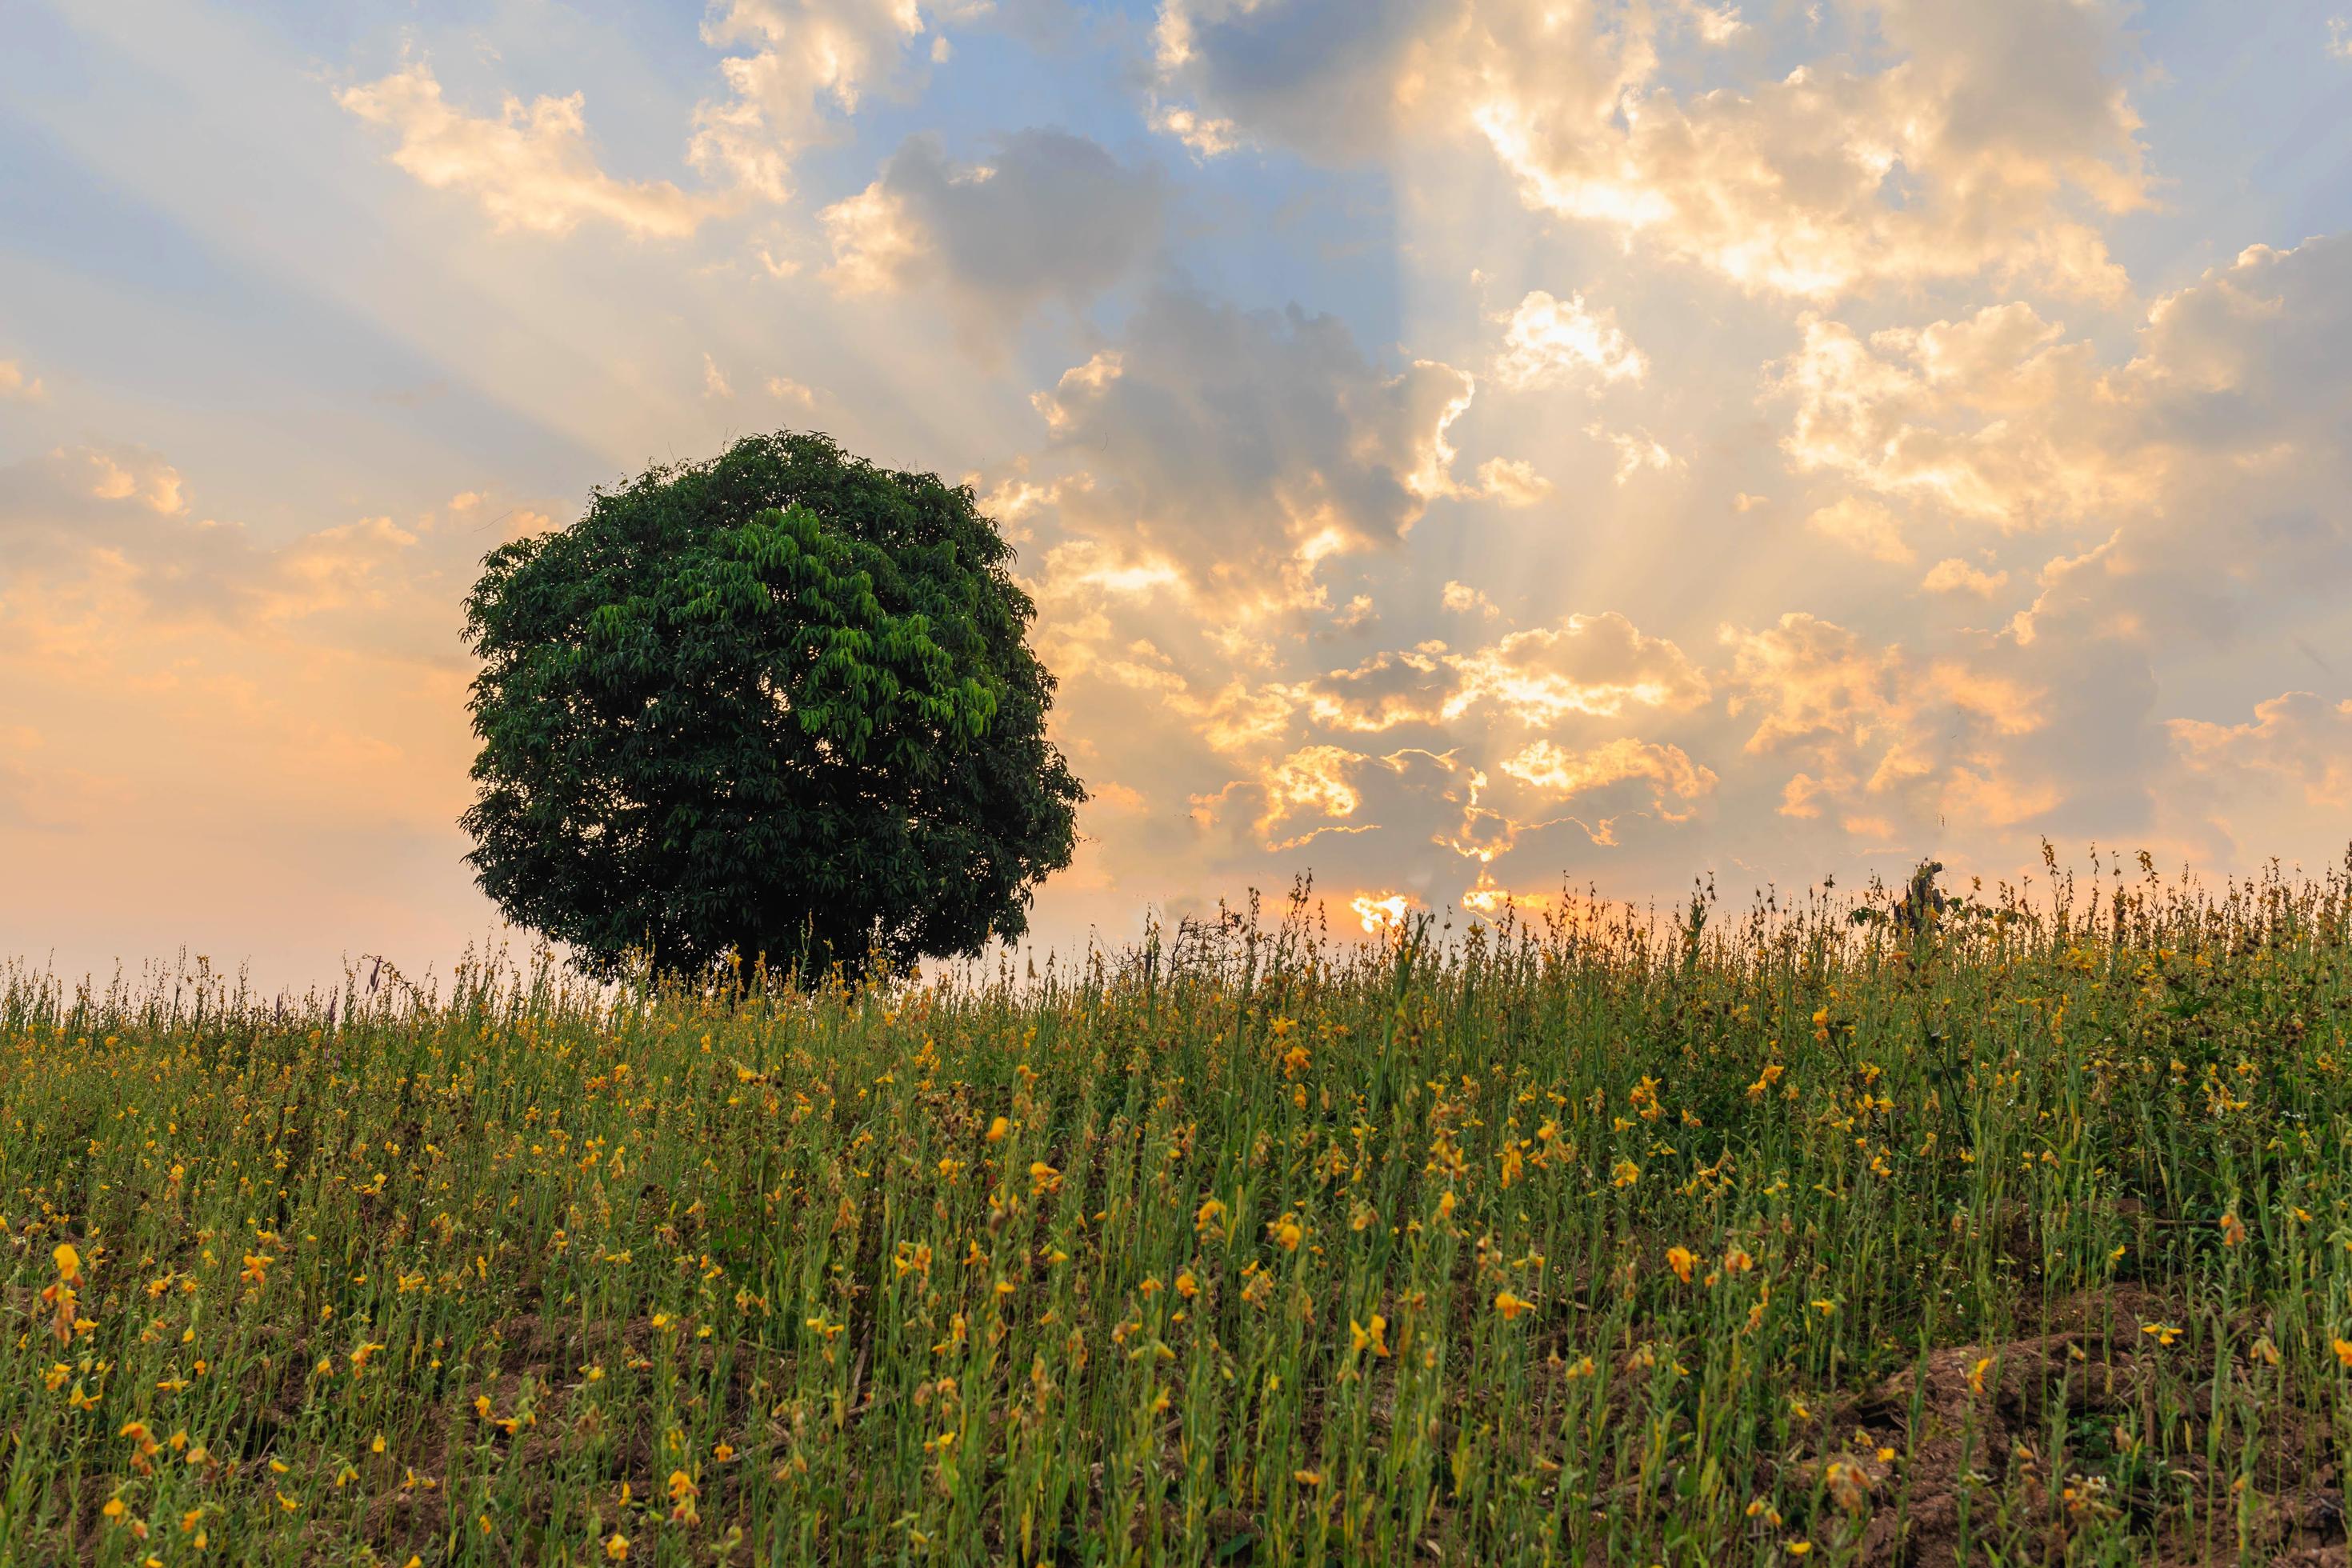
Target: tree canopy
(779, 704)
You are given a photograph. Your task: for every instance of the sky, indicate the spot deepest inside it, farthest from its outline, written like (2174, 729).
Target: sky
(1466, 450)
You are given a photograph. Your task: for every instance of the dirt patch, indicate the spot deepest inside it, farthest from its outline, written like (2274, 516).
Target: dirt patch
(1961, 1447)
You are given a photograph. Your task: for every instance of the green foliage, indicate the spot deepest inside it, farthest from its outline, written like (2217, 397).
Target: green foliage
(2028, 1243)
(780, 704)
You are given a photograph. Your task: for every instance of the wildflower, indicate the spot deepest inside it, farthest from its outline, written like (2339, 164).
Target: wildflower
(1372, 1336)
(1044, 1179)
(1680, 1259)
(1307, 1477)
(1211, 1211)
(2233, 1229)
(2344, 1353)
(1187, 1286)
(996, 1132)
(1977, 1374)
(1285, 1233)
(1625, 1174)
(68, 1262)
(617, 1547)
(1510, 1306)
(2165, 1334)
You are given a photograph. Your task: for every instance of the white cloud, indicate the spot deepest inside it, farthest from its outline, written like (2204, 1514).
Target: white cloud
(2297, 737)
(1512, 481)
(1550, 342)
(529, 167)
(18, 383)
(800, 69)
(1244, 448)
(1865, 526)
(1968, 139)
(1636, 450)
(1671, 777)
(1462, 599)
(1954, 575)
(1050, 216)
(784, 389)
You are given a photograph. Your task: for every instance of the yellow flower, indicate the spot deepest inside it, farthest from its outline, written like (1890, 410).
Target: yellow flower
(1510, 1306)
(1285, 1233)
(1307, 1477)
(114, 1508)
(1977, 1374)
(617, 1547)
(996, 1132)
(1211, 1211)
(68, 1262)
(1625, 1174)
(1187, 1286)
(2344, 1353)
(2233, 1229)
(1679, 1259)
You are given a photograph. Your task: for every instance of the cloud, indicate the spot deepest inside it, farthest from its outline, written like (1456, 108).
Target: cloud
(2297, 737)
(1599, 665)
(1512, 481)
(531, 167)
(803, 66)
(112, 525)
(1050, 216)
(784, 389)
(1974, 144)
(1877, 730)
(1593, 666)
(1462, 599)
(1240, 448)
(1954, 575)
(1995, 417)
(1963, 140)
(2211, 461)
(1863, 526)
(1667, 771)
(17, 382)
(714, 380)
(1637, 451)
(1409, 686)
(1550, 343)
(1327, 77)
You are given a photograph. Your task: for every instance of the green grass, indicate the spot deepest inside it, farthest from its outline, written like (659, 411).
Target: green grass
(2022, 1238)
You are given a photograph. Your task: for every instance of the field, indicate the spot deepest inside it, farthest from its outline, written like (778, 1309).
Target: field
(2013, 1231)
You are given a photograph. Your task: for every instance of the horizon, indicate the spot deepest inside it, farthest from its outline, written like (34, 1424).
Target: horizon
(1463, 449)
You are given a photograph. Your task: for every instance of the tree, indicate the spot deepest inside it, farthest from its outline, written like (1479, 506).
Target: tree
(780, 704)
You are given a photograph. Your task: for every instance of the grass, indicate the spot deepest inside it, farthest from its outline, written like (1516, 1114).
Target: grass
(1753, 1237)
